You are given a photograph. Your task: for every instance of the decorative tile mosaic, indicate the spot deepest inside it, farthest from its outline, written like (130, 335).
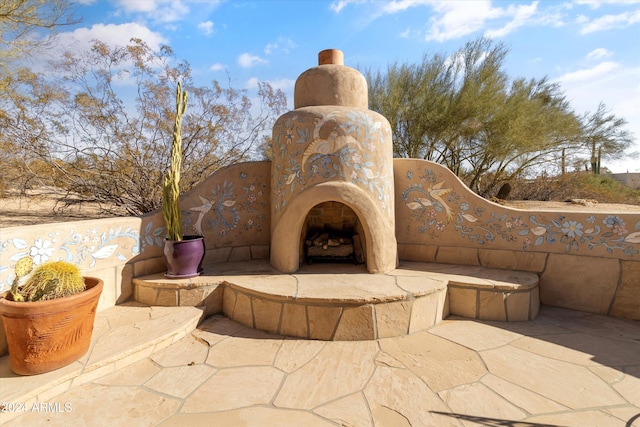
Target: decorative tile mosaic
(236, 204)
(81, 246)
(348, 153)
(436, 208)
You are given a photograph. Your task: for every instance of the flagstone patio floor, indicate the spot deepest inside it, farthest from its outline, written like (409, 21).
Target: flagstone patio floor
(565, 368)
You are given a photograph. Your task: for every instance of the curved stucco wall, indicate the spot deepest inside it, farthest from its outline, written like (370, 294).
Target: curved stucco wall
(331, 85)
(587, 260)
(434, 206)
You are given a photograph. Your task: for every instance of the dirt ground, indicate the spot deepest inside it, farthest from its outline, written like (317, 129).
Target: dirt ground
(576, 205)
(39, 208)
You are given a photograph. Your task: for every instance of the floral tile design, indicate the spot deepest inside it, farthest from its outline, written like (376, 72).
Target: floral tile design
(84, 247)
(229, 205)
(238, 204)
(347, 153)
(437, 208)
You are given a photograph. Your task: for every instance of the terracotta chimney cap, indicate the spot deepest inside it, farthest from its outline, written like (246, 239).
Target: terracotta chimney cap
(331, 56)
(331, 83)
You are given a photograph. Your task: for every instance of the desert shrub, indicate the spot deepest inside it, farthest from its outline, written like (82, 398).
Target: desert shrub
(577, 185)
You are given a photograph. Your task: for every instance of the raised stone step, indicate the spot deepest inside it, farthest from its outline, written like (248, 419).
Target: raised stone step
(343, 301)
(121, 336)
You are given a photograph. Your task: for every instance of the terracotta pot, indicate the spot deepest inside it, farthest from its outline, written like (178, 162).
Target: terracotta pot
(184, 258)
(47, 335)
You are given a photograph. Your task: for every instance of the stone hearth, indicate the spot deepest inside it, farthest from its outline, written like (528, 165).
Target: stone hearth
(345, 302)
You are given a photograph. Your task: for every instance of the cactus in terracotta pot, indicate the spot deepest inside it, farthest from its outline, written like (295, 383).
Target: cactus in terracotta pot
(53, 279)
(48, 321)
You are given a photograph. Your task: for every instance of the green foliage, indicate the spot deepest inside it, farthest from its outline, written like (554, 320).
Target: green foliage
(604, 189)
(171, 190)
(604, 137)
(53, 279)
(465, 112)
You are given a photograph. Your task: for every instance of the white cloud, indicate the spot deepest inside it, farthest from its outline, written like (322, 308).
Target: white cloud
(608, 22)
(158, 10)
(282, 84)
(521, 15)
(599, 53)
(216, 67)
(252, 83)
(601, 70)
(136, 6)
(246, 60)
(206, 28)
(595, 4)
(582, 19)
(110, 34)
(283, 44)
(338, 5)
(550, 17)
(455, 19)
(270, 47)
(406, 33)
(458, 18)
(396, 6)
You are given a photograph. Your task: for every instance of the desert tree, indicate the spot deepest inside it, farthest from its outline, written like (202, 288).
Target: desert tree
(26, 130)
(20, 24)
(107, 131)
(464, 111)
(26, 27)
(604, 136)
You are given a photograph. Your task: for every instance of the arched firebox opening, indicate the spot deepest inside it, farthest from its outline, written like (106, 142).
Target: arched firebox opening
(332, 232)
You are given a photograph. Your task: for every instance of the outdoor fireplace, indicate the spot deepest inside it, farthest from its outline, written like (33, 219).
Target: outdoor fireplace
(333, 233)
(332, 153)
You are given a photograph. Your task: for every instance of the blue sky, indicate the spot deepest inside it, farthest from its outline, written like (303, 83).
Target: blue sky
(592, 48)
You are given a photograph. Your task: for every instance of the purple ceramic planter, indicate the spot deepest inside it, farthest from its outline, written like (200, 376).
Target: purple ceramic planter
(184, 258)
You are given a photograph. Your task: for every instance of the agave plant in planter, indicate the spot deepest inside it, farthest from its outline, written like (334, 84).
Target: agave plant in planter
(48, 321)
(183, 255)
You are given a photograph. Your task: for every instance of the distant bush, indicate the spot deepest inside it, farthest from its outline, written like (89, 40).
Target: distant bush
(577, 185)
